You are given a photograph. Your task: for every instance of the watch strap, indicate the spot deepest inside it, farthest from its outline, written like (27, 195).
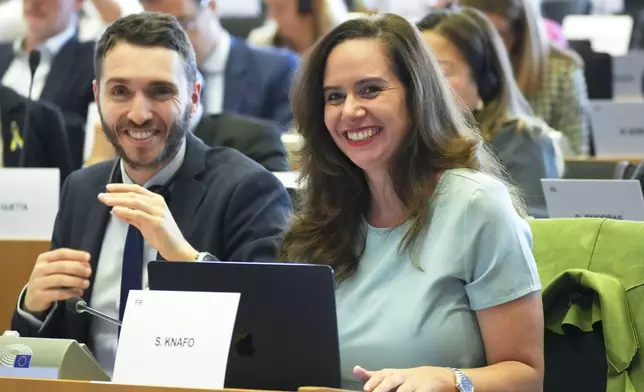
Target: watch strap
(463, 381)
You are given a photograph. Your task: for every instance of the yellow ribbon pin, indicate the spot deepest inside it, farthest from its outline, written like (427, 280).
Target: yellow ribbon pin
(16, 139)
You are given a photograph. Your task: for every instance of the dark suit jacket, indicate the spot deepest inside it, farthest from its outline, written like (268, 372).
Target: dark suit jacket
(223, 203)
(45, 144)
(258, 81)
(259, 140)
(68, 86)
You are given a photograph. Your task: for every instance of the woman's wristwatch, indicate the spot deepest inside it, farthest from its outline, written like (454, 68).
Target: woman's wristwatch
(205, 256)
(463, 381)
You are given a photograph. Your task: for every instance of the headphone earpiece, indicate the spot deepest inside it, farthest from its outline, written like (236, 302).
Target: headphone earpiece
(488, 85)
(305, 7)
(488, 82)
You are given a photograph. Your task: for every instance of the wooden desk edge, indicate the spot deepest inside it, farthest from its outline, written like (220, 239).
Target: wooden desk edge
(10, 384)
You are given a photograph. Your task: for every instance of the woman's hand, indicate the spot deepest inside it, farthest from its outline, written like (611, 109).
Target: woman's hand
(425, 379)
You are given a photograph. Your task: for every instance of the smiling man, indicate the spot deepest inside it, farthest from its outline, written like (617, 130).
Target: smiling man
(168, 196)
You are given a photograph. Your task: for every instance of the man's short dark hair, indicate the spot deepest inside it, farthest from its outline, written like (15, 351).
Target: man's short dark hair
(147, 29)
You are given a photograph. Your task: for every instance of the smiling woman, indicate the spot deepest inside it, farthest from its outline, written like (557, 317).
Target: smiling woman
(429, 245)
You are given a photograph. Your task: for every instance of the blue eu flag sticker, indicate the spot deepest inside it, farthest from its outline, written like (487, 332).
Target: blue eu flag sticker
(22, 361)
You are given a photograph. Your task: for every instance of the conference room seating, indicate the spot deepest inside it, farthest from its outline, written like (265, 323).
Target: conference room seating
(608, 254)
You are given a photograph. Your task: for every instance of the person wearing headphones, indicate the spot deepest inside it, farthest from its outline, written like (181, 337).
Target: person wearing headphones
(549, 76)
(168, 196)
(478, 69)
(297, 24)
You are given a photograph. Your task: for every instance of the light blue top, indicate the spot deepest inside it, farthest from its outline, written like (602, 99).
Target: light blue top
(476, 254)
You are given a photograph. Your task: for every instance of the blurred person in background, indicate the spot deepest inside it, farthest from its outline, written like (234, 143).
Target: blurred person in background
(550, 77)
(239, 78)
(93, 18)
(63, 72)
(297, 24)
(478, 69)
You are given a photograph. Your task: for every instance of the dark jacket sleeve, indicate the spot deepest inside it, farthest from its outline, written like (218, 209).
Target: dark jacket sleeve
(256, 218)
(264, 146)
(280, 110)
(53, 328)
(48, 125)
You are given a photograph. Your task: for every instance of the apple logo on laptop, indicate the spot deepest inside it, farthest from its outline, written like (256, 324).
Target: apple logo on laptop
(244, 344)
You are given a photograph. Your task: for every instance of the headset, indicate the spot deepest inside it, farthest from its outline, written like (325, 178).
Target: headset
(487, 81)
(305, 7)
(163, 190)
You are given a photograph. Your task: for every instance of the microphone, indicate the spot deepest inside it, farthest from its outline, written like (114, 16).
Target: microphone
(34, 62)
(77, 305)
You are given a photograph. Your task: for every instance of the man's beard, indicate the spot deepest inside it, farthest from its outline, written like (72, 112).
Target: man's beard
(173, 142)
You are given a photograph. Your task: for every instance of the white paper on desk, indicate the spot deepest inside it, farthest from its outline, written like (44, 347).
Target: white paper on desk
(239, 8)
(176, 339)
(612, 199)
(28, 202)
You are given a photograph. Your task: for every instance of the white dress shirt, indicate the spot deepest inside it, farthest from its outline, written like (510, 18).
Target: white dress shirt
(213, 70)
(106, 292)
(18, 75)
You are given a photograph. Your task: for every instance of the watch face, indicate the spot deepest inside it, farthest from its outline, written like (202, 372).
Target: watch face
(465, 384)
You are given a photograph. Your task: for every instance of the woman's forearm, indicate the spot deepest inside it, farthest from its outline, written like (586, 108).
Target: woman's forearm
(508, 376)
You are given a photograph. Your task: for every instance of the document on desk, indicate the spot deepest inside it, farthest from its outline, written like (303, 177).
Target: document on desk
(176, 339)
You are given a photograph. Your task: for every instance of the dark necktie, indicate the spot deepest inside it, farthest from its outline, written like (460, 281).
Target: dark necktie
(132, 271)
(133, 254)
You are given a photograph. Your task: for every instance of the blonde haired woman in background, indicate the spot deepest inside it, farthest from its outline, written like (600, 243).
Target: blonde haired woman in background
(297, 24)
(477, 67)
(550, 77)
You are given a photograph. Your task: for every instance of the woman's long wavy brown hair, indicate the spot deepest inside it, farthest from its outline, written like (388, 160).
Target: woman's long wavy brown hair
(328, 226)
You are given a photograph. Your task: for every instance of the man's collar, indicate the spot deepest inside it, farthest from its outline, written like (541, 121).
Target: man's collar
(52, 46)
(165, 174)
(215, 62)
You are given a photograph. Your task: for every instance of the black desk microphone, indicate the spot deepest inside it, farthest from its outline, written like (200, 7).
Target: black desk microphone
(77, 305)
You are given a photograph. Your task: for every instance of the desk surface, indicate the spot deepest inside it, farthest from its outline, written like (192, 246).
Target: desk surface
(17, 259)
(22, 385)
(633, 160)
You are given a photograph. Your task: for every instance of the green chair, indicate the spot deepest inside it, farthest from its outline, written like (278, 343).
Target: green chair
(592, 272)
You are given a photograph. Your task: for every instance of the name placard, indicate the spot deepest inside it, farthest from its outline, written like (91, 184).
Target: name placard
(176, 339)
(612, 199)
(618, 129)
(627, 76)
(28, 203)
